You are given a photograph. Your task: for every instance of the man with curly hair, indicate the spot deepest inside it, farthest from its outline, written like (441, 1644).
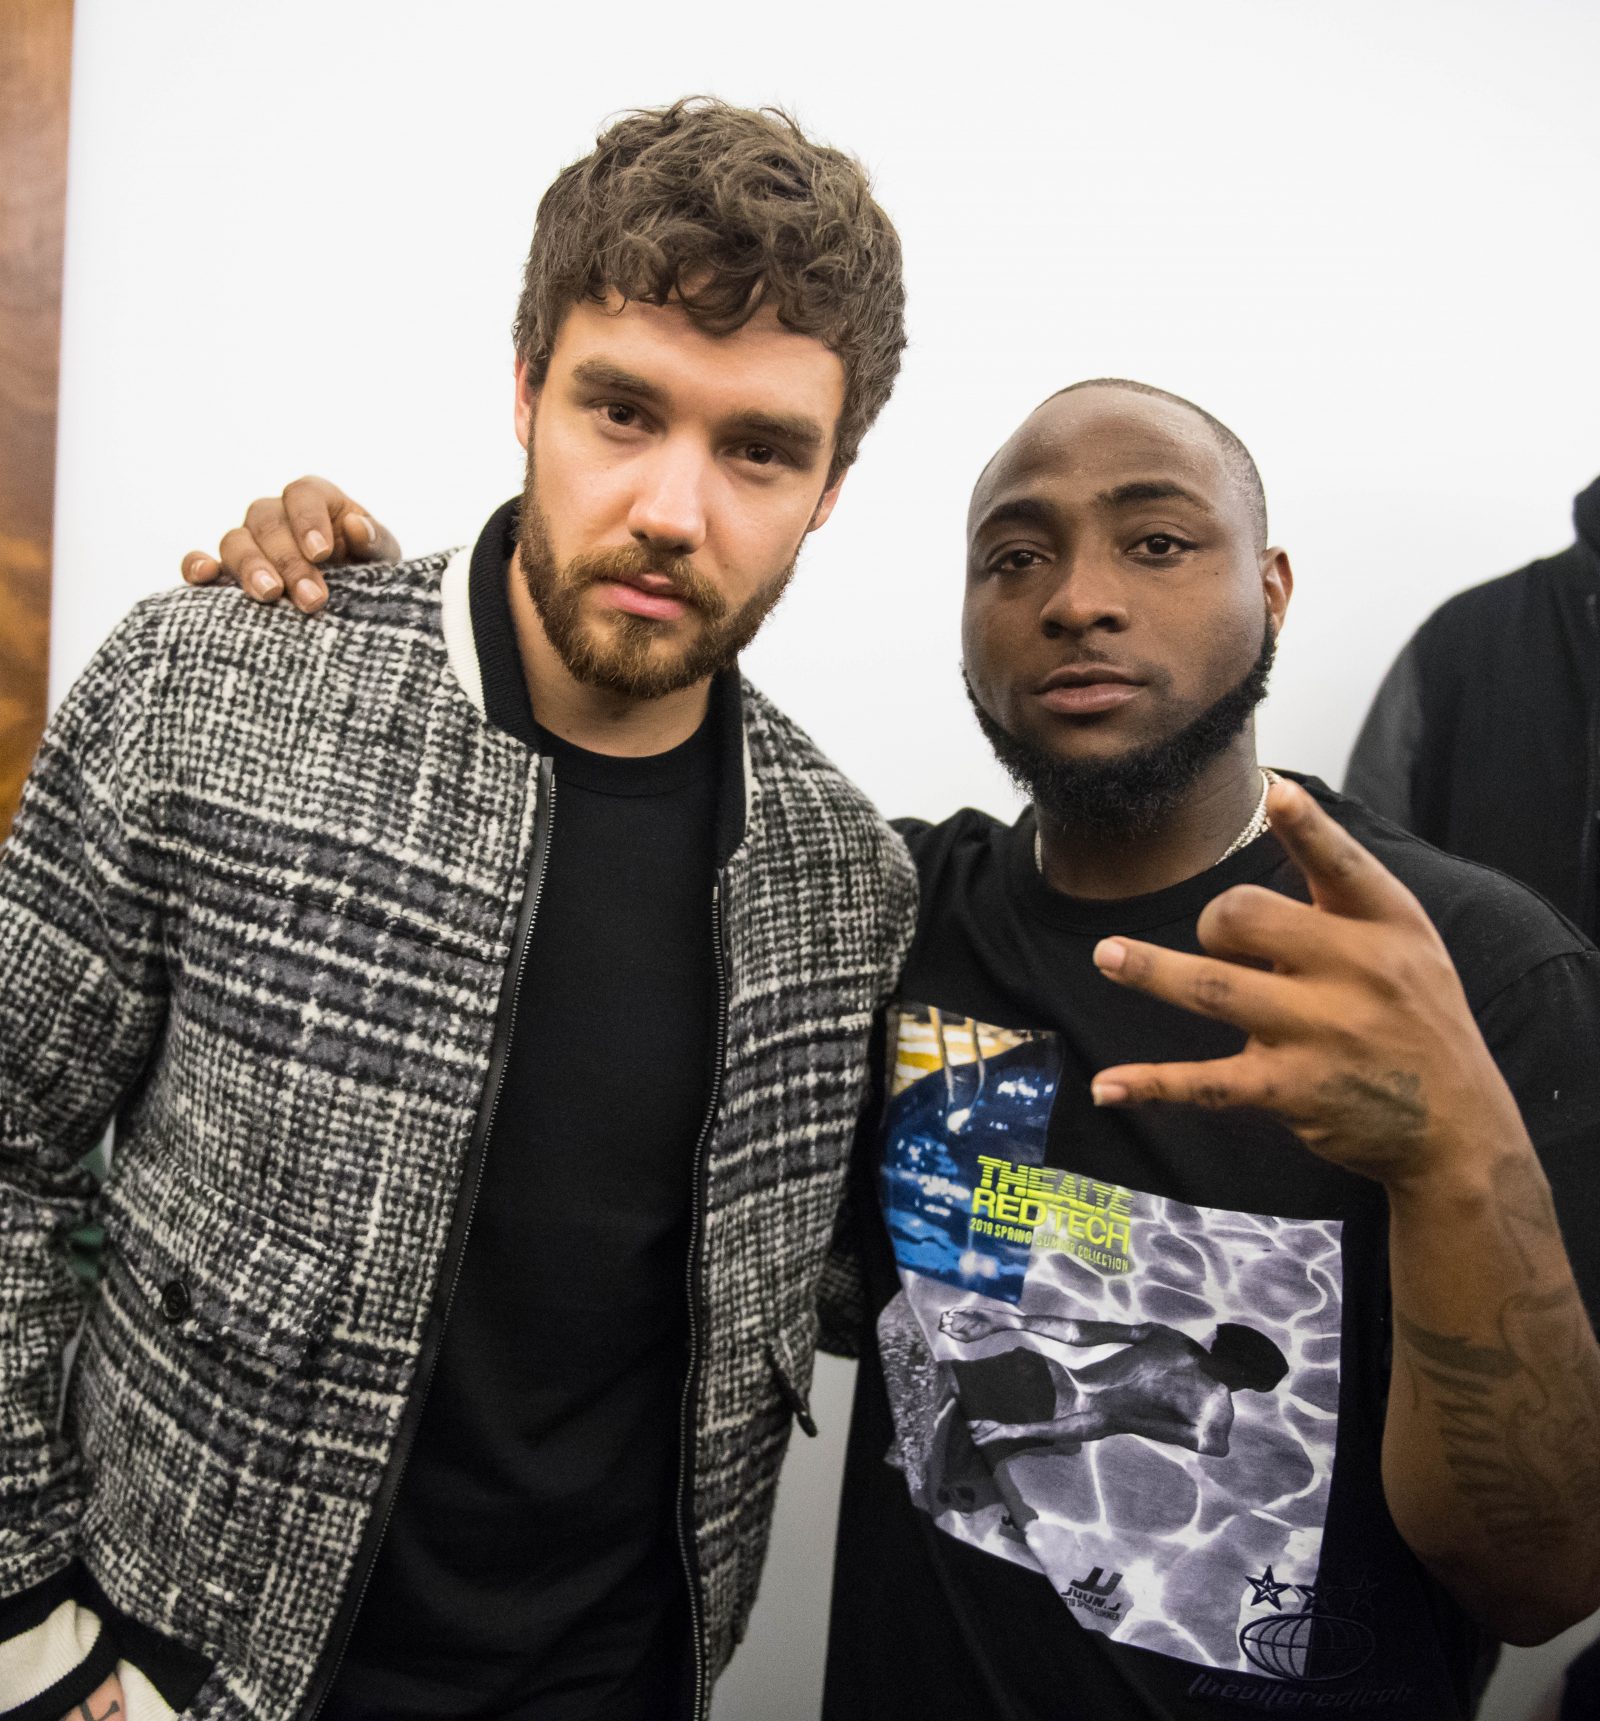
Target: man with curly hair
(484, 1067)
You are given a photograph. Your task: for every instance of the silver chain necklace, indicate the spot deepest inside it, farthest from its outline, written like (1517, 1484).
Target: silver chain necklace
(1257, 824)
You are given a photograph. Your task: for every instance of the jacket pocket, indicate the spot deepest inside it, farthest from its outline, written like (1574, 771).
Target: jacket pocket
(214, 1270)
(196, 1374)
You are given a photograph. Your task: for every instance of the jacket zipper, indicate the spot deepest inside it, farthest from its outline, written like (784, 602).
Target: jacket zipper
(695, 1291)
(483, 1126)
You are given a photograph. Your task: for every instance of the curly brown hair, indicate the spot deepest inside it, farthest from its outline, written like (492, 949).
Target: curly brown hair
(723, 210)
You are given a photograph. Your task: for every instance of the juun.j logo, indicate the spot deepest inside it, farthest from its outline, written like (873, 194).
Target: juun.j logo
(1092, 1594)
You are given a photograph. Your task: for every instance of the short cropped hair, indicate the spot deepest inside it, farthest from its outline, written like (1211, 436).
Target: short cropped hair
(1238, 459)
(724, 210)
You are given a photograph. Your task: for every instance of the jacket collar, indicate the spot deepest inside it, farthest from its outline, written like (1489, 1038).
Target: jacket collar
(481, 649)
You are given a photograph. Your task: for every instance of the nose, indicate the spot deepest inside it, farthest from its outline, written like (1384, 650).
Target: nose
(668, 511)
(1086, 596)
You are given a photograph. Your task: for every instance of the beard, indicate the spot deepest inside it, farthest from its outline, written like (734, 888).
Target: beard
(1129, 796)
(631, 655)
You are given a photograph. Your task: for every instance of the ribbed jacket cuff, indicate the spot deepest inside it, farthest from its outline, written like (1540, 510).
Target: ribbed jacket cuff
(54, 1653)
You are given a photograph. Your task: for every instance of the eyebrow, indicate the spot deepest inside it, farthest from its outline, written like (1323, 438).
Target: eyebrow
(601, 373)
(802, 435)
(1149, 490)
(1020, 511)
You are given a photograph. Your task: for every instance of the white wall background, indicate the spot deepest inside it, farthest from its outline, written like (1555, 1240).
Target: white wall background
(1361, 233)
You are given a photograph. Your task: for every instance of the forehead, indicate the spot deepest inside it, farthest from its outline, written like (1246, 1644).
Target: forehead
(1080, 446)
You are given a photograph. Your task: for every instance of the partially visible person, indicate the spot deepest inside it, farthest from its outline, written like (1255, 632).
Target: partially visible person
(1485, 735)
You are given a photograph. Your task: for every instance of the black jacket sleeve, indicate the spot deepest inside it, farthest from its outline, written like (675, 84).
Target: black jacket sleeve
(1388, 751)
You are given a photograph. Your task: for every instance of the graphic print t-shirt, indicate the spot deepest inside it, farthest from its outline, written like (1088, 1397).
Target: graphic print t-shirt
(1115, 1449)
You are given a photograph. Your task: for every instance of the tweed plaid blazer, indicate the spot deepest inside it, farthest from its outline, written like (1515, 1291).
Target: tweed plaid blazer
(258, 907)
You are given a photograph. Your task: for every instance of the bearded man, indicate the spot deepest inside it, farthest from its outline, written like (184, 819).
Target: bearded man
(1354, 1155)
(476, 1156)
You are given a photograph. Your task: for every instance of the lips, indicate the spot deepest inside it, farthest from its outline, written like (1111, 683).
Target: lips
(1087, 689)
(652, 596)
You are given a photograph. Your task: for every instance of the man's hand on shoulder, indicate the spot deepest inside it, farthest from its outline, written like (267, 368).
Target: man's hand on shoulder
(285, 540)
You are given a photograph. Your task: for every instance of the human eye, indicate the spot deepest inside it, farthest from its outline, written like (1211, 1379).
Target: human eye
(1163, 546)
(1014, 561)
(620, 413)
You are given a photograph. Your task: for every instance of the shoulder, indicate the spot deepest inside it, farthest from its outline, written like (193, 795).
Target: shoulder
(1493, 604)
(1495, 927)
(789, 766)
(220, 619)
(963, 837)
(787, 762)
(200, 647)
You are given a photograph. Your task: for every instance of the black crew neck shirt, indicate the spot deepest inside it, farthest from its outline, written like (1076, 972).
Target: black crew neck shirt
(531, 1570)
(1116, 1439)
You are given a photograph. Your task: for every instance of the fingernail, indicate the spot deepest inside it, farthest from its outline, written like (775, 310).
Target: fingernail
(1110, 954)
(265, 584)
(316, 544)
(365, 527)
(308, 594)
(1108, 1093)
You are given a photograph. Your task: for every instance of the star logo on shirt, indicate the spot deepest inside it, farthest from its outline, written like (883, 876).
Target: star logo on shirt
(1267, 1589)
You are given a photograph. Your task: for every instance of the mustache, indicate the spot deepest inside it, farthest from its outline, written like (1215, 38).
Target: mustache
(632, 561)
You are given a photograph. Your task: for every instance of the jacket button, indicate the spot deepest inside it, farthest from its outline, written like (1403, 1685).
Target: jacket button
(177, 1303)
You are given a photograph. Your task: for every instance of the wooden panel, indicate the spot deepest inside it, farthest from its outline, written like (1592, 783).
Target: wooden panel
(35, 88)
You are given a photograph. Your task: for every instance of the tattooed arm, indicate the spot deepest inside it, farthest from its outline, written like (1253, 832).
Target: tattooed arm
(104, 1705)
(1361, 1040)
(1491, 1454)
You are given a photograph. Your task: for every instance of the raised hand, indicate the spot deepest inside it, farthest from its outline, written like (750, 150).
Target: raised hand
(1360, 1036)
(284, 538)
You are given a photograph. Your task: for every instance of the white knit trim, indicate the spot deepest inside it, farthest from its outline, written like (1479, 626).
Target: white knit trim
(461, 651)
(33, 1661)
(140, 1699)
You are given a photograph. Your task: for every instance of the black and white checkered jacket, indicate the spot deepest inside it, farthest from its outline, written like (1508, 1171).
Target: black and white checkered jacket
(260, 906)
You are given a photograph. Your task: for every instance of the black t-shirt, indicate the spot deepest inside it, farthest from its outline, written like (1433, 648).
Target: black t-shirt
(1115, 1450)
(531, 1570)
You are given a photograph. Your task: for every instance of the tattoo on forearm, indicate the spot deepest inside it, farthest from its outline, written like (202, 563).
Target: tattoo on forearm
(1519, 1421)
(1467, 1385)
(105, 1714)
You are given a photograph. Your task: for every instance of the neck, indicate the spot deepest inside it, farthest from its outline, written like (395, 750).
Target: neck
(596, 718)
(1190, 839)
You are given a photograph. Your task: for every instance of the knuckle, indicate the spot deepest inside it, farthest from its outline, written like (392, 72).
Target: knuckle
(1211, 992)
(1230, 912)
(264, 513)
(236, 545)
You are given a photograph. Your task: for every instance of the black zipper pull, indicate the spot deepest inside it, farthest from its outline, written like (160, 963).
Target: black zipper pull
(791, 1394)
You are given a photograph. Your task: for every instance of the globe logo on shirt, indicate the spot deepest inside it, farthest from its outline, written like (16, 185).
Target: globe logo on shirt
(1289, 1645)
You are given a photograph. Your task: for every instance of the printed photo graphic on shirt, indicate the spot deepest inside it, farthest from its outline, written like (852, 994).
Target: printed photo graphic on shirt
(1133, 1396)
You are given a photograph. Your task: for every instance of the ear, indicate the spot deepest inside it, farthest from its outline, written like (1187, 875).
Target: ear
(527, 399)
(826, 501)
(1277, 582)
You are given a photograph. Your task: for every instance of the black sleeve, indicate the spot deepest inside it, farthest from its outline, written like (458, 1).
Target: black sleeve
(1544, 1032)
(841, 1295)
(1387, 750)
